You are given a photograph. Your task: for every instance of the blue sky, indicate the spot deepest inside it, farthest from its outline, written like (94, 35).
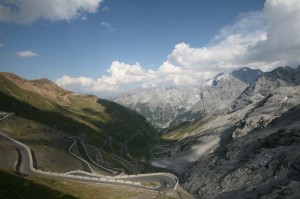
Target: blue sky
(111, 46)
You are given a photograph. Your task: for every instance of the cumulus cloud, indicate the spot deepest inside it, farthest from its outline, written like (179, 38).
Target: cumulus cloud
(282, 44)
(28, 11)
(263, 40)
(167, 67)
(226, 50)
(26, 54)
(122, 74)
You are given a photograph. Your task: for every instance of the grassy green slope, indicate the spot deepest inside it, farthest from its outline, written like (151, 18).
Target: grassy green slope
(45, 115)
(13, 186)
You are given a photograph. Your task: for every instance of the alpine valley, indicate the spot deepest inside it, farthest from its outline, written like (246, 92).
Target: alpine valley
(237, 135)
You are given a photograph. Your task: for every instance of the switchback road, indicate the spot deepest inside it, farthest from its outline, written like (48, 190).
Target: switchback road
(167, 182)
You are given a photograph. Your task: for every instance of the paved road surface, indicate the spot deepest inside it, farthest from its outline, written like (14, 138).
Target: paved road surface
(26, 167)
(86, 166)
(83, 152)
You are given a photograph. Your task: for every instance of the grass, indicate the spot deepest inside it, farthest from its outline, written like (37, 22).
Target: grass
(13, 186)
(151, 184)
(7, 161)
(45, 115)
(186, 129)
(21, 187)
(48, 144)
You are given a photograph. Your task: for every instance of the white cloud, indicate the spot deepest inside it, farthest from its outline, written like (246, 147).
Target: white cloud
(261, 40)
(282, 45)
(106, 24)
(109, 27)
(26, 54)
(226, 49)
(28, 11)
(167, 67)
(82, 81)
(121, 75)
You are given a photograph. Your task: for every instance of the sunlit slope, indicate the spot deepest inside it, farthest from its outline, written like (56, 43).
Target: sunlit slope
(46, 115)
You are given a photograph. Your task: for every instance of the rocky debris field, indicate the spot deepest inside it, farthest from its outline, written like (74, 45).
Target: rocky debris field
(264, 163)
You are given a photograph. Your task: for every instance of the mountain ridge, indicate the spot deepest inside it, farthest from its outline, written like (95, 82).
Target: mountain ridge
(251, 152)
(52, 114)
(266, 83)
(247, 147)
(169, 107)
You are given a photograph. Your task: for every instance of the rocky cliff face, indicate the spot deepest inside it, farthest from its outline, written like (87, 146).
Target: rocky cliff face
(261, 162)
(169, 107)
(265, 84)
(250, 152)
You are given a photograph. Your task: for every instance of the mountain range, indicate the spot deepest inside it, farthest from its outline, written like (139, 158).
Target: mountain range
(250, 149)
(170, 107)
(235, 136)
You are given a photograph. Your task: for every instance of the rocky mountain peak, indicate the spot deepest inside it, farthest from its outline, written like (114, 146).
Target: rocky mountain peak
(265, 84)
(286, 74)
(246, 75)
(170, 107)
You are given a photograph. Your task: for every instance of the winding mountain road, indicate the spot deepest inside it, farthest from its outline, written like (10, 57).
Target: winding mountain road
(85, 165)
(167, 182)
(83, 152)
